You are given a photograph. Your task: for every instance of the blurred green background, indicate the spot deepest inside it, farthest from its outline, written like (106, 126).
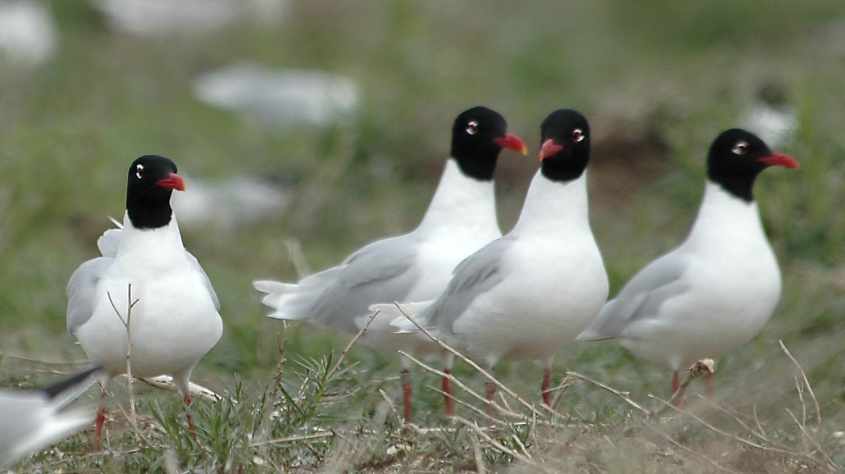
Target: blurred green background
(657, 79)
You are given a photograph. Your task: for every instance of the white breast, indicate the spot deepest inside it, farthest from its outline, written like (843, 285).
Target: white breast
(733, 286)
(174, 322)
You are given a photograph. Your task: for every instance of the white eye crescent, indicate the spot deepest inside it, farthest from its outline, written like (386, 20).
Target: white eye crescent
(139, 170)
(472, 127)
(578, 135)
(740, 148)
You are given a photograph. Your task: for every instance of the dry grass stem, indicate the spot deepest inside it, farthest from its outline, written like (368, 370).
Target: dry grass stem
(294, 439)
(624, 396)
(495, 444)
(724, 433)
(806, 381)
(466, 359)
(828, 461)
(688, 450)
(462, 385)
(470, 406)
(127, 324)
(476, 452)
(352, 342)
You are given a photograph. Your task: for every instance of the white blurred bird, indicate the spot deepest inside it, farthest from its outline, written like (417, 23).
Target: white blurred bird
(27, 32)
(161, 18)
(528, 293)
(282, 97)
(460, 219)
(174, 309)
(715, 292)
(31, 420)
(229, 203)
(771, 116)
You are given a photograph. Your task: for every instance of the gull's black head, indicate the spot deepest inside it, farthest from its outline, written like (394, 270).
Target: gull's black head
(478, 135)
(735, 159)
(152, 180)
(565, 149)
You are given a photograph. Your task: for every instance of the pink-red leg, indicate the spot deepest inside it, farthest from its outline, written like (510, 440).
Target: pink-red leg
(677, 394)
(98, 427)
(407, 395)
(188, 416)
(100, 420)
(489, 395)
(547, 384)
(448, 401)
(710, 384)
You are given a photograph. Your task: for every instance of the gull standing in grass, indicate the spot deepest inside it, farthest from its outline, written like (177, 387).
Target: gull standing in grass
(31, 420)
(173, 317)
(533, 290)
(460, 219)
(715, 292)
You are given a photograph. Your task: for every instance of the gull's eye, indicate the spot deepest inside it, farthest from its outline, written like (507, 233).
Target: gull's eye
(578, 135)
(740, 148)
(472, 127)
(139, 171)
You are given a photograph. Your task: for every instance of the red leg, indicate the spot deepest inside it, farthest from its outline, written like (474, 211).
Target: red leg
(100, 421)
(188, 416)
(489, 395)
(710, 383)
(406, 395)
(544, 389)
(448, 401)
(677, 394)
(98, 427)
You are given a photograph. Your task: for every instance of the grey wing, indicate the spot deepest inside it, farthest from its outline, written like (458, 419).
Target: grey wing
(474, 276)
(206, 280)
(82, 289)
(642, 297)
(385, 270)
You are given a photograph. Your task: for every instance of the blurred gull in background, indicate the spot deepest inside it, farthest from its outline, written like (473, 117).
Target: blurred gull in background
(227, 203)
(156, 18)
(771, 116)
(279, 96)
(27, 33)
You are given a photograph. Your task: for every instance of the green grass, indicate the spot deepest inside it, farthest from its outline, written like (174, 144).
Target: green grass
(680, 70)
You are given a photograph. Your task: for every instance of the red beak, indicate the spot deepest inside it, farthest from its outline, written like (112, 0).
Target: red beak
(779, 159)
(549, 148)
(173, 181)
(512, 142)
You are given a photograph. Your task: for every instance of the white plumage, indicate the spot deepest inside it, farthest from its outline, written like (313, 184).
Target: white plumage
(175, 321)
(460, 219)
(710, 295)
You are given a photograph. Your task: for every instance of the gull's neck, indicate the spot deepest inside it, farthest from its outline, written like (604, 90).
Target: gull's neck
(555, 207)
(461, 202)
(725, 220)
(160, 243)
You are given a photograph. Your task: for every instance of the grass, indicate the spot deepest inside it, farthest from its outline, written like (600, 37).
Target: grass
(678, 72)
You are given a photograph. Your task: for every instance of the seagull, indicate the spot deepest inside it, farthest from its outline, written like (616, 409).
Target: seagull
(31, 420)
(147, 284)
(715, 291)
(460, 219)
(536, 288)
